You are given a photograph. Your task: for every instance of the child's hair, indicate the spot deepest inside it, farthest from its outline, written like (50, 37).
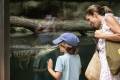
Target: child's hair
(70, 49)
(69, 41)
(102, 10)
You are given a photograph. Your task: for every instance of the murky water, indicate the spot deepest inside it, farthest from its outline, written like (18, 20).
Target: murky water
(31, 68)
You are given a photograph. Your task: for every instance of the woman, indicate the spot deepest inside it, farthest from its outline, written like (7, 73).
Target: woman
(107, 28)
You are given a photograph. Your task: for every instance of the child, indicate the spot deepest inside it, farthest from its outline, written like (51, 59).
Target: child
(68, 65)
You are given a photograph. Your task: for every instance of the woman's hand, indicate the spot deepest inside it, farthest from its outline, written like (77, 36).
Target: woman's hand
(50, 64)
(99, 34)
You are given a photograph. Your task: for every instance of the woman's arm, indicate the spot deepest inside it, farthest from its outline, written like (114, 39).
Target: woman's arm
(114, 25)
(110, 37)
(56, 75)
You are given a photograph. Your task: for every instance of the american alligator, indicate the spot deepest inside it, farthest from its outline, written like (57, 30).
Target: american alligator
(24, 53)
(34, 59)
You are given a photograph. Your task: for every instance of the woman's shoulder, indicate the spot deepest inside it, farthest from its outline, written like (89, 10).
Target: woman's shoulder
(109, 14)
(109, 17)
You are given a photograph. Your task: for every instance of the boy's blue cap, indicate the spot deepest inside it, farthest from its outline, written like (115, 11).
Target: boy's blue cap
(69, 38)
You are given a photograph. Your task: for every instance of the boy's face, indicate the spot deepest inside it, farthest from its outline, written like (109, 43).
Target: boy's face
(62, 48)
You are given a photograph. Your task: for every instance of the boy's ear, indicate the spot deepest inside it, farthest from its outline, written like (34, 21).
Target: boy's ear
(67, 45)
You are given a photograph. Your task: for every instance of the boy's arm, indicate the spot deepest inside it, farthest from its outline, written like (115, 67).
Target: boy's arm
(56, 75)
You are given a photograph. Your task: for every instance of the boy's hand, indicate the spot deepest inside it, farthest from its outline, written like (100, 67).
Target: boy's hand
(56, 75)
(50, 64)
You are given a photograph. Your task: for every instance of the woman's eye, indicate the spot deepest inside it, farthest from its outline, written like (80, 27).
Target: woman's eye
(88, 19)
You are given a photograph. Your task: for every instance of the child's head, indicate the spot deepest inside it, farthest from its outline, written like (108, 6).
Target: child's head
(67, 42)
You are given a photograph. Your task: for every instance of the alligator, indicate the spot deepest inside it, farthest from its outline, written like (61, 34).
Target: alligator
(32, 60)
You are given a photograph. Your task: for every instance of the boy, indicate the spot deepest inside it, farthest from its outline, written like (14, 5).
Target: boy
(68, 65)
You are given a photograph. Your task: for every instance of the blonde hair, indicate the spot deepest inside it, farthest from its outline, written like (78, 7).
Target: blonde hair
(98, 9)
(107, 9)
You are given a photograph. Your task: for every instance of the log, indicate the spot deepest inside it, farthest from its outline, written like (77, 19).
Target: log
(24, 22)
(43, 26)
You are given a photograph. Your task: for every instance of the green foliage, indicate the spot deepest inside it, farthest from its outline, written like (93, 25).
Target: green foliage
(63, 9)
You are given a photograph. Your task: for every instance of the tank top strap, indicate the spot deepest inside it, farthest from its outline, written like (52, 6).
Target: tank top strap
(104, 27)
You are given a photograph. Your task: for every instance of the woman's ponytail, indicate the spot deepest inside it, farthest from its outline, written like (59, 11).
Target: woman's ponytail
(106, 9)
(102, 10)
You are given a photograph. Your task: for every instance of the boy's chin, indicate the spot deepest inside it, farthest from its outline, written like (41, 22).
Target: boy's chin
(61, 52)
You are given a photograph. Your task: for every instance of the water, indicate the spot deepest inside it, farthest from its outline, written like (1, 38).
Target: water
(31, 68)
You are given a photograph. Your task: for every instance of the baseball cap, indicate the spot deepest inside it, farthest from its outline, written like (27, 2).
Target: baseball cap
(69, 38)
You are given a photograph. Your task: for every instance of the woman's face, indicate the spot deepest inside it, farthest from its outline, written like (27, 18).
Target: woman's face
(93, 20)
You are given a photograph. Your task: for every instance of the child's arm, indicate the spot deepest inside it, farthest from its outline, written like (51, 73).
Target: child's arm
(56, 75)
